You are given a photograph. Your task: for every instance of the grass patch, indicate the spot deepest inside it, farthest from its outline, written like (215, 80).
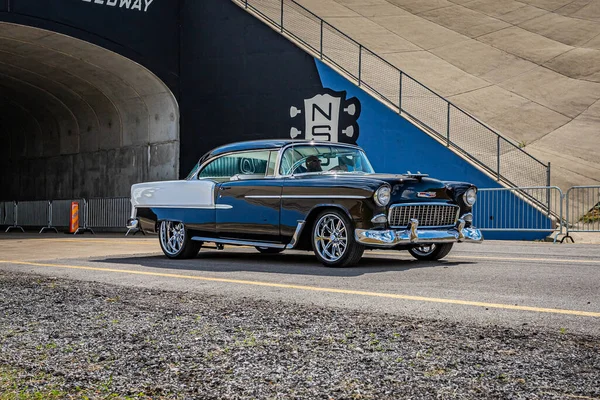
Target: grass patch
(19, 384)
(592, 216)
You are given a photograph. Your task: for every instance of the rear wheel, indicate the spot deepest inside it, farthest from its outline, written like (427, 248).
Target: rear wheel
(268, 250)
(175, 241)
(431, 251)
(333, 240)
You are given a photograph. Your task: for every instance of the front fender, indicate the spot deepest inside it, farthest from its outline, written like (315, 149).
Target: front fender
(358, 213)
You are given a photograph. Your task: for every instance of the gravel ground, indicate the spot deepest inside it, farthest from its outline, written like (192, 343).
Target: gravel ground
(69, 339)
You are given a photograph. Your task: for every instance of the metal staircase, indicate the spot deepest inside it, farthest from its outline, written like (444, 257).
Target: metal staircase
(455, 128)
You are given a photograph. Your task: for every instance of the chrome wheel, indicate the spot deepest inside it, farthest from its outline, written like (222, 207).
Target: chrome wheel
(172, 237)
(330, 237)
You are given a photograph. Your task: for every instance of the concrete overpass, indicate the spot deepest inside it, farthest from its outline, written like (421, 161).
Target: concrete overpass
(80, 116)
(98, 94)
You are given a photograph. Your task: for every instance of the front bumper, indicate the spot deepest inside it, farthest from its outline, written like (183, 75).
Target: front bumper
(391, 237)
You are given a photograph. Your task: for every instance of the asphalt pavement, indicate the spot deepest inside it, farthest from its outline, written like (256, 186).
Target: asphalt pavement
(542, 285)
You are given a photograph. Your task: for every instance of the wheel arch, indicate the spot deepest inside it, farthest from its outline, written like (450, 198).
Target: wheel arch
(158, 221)
(311, 217)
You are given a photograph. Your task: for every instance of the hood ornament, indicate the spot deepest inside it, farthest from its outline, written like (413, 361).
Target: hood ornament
(417, 175)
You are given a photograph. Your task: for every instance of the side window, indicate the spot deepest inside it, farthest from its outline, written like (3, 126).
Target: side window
(271, 164)
(222, 167)
(246, 164)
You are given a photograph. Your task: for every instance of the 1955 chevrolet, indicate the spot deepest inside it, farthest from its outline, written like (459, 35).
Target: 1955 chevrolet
(320, 196)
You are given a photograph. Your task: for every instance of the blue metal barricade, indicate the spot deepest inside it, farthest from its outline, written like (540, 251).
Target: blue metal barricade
(524, 209)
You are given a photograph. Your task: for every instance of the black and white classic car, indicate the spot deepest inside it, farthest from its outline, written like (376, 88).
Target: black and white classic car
(320, 196)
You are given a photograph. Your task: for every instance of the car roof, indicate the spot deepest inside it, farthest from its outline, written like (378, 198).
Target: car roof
(264, 144)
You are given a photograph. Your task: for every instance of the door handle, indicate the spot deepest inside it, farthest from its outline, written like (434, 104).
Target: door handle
(224, 188)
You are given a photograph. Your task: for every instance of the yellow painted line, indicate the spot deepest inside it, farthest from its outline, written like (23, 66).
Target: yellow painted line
(82, 240)
(528, 259)
(468, 257)
(318, 289)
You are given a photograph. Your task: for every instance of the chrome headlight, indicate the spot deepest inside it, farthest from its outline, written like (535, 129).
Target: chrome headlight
(470, 196)
(382, 196)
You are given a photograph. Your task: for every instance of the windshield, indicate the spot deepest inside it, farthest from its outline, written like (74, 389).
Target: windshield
(323, 158)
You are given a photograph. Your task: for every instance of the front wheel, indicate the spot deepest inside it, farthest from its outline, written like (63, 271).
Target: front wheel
(175, 241)
(333, 240)
(431, 251)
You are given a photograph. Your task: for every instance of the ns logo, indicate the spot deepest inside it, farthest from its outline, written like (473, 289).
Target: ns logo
(327, 117)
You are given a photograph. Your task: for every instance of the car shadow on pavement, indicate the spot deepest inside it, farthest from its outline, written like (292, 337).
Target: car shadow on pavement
(299, 264)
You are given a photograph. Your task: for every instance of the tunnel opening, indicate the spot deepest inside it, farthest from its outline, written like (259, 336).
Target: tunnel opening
(78, 120)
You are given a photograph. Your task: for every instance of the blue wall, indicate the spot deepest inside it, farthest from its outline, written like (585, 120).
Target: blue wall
(393, 144)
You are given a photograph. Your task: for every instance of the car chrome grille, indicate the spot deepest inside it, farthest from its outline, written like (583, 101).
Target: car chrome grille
(428, 215)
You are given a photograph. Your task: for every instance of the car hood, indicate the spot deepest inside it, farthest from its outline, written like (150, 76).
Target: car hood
(407, 188)
(404, 188)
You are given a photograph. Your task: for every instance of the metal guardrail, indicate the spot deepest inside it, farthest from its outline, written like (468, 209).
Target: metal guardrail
(450, 124)
(85, 217)
(11, 216)
(3, 213)
(520, 210)
(101, 213)
(34, 213)
(108, 212)
(583, 210)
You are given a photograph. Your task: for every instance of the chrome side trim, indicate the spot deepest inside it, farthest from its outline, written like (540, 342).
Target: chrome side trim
(239, 242)
(188, 206)
(292, 244)
(325, 196)
(308, 196)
